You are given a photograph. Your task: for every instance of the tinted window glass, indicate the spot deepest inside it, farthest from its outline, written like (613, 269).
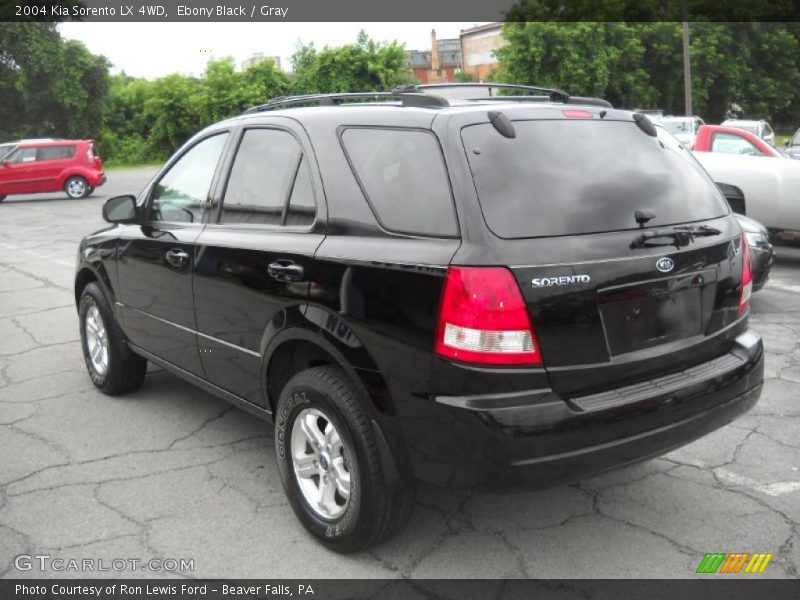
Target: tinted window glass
(261, 178)
(22, 155)
(55, 152)
(302, 209)
(567, 177)
(403, 175)
(729, 143)
(181, 194)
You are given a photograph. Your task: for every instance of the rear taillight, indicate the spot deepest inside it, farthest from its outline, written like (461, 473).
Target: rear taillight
(483, 319)
(91, 157)
(747, 278)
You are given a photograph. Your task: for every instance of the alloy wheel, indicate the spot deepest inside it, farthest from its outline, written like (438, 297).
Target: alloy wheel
(320, 463)
(96, 341)
(76, 188)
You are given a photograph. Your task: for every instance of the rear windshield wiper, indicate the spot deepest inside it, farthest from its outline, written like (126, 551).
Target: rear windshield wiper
(699, 230)
(681, 236)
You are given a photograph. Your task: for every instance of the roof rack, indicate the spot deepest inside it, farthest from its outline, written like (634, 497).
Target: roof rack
(416, 95)
(533, 92)
(410, 98)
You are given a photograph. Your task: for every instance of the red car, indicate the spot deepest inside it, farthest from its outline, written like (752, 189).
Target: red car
(49, 166)
(730, 140)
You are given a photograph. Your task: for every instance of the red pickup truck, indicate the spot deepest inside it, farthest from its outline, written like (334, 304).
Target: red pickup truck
(729, 140)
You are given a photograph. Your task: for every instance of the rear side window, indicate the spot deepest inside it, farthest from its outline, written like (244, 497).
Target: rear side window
(570, 177)
(402, 174)
(55, 152)
(269, 170)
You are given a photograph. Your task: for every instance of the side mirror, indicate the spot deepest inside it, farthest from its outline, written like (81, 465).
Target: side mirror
(787, 143)
(6, 163)
(121, 209)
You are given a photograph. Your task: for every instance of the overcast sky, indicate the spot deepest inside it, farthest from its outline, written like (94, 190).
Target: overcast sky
(154, 49)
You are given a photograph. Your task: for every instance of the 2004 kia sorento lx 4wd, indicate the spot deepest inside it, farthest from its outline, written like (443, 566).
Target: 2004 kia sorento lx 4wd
(474, 292)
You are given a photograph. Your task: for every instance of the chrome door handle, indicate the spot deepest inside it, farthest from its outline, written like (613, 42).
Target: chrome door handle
(177, 258)
(285, 270)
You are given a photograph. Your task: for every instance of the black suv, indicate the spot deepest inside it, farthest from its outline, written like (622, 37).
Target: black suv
(515, 286)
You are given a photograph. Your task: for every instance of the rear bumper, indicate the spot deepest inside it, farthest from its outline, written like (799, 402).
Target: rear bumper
(538, 439)
(96, 178)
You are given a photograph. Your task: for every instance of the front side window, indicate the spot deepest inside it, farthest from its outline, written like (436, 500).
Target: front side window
(182, 193)
(269, 171)
(729, 143)
(403, 176)
(22, 155)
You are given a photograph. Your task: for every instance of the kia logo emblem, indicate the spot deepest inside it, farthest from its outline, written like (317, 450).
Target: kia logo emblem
(665, 264)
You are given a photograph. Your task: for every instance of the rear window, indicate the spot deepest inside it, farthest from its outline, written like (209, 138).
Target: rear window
(569, 177)
(402, 174)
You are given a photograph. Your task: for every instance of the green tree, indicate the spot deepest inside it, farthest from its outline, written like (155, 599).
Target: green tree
(174, 110)
(586, 59)
(264, 81)
(366, 65)
(54, 87)
(751, 65)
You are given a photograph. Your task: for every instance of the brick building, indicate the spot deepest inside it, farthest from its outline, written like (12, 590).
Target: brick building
(439, 64)
(478, 45)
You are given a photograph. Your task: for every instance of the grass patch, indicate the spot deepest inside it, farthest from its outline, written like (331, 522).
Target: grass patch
(780, 140)
(113, 165)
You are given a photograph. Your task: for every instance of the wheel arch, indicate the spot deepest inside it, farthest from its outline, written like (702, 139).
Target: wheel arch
(298, 348)
(89, 274)
(735, 197)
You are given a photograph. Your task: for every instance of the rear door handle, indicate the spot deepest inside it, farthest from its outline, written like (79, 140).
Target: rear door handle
(285, 270)
(177, 258)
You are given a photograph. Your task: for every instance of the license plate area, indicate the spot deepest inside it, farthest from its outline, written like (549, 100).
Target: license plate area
(652, 313)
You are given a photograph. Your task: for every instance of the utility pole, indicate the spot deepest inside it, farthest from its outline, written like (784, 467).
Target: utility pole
(687, 64)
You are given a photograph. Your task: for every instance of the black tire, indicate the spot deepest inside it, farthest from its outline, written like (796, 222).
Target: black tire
(124, 371)
(76, 187)
(90, 192)
(375, 510)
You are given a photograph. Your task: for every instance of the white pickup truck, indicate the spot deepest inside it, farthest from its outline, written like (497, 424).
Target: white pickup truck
(756, 178)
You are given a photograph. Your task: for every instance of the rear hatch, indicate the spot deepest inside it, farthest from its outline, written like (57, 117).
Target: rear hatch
(612, 300)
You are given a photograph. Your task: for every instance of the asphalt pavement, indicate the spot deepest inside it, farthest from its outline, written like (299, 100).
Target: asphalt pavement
(172, 473)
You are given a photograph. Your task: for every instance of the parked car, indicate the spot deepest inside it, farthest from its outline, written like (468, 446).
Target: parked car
(391, 281)
(762, 253)
(732, 140)
(792, 145)
(715, 138)
(760, 128)
(757, 180)
(35, 167)
(683, 128)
